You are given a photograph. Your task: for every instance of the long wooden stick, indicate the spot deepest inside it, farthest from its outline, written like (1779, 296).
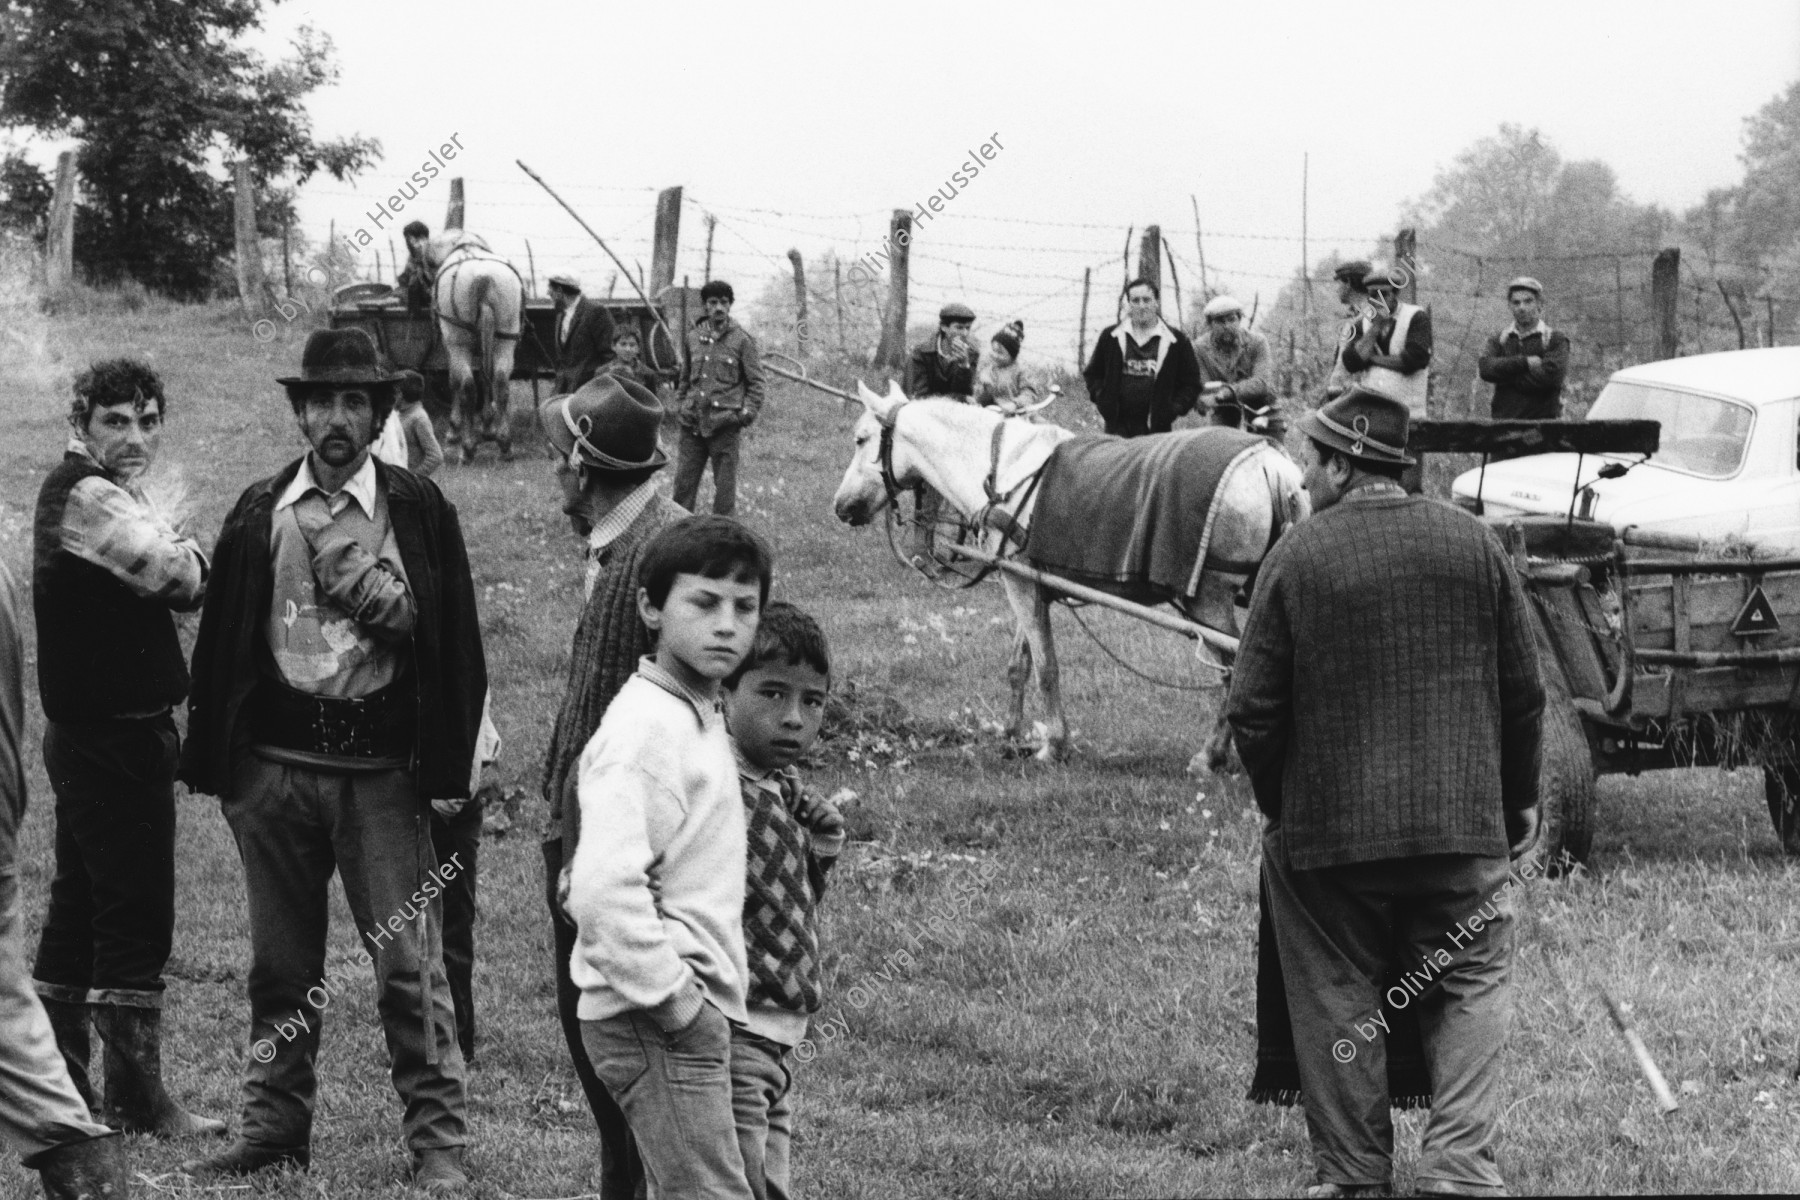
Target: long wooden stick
(811, 383)
(1665, 1099)
(1143, 612)
(655, 312)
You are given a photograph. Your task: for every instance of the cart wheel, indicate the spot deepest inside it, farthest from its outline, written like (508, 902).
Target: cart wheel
(1782, 787)
(1565, 775)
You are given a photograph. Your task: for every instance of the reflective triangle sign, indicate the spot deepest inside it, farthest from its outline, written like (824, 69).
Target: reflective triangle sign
(1757, 616)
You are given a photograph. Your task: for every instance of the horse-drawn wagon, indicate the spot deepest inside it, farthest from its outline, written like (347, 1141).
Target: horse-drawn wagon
(1660, 650)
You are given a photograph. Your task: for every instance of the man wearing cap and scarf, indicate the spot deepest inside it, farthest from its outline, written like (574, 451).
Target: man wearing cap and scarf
(1385, 702)
(1142, 374)
(338, 686)
(945, 365)
(718, 396)
(607, 457)
(584, 334)
(1234, 364)
(1387, 347)
(1527, 361)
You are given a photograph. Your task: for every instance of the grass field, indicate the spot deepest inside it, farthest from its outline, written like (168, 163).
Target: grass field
(1078, 1021)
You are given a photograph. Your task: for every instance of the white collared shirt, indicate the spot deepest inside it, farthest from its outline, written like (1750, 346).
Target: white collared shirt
(568, 316)
(1513, 331)
(360, 488)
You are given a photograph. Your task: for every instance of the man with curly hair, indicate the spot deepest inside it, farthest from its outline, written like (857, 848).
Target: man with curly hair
(108, 570)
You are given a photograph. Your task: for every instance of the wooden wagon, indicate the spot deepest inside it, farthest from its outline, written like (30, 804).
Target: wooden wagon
(1657, 652)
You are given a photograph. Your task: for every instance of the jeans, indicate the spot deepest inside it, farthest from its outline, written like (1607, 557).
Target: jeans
(39, 1107)
(112, 901)
(693, 451)
(676, 1091)
(294, 826)
(459, 838)
(1333, 927)
(761, 1082)
(621, 1170)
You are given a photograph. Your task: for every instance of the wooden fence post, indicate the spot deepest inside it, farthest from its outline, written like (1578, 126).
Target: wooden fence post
(249, 250)
(711, 223)
(667, 241)
(453, 212)
(59, 238)
(891, 353)
(1200, 249)
(1406, 257)
(1181, 317)
(837, 292)
(1150, 255)
(1665, 284)
(800, 329)
(1087, 282)
(1769, 299)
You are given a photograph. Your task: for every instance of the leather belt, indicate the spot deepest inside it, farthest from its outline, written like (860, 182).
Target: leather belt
(383, 724)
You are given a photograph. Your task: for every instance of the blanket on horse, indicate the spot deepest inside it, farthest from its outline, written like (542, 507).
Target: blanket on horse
(1134, 511)
(1277, 1078)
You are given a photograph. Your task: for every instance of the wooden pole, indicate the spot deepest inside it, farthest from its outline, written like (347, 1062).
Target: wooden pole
(531, 265)
(1305, 259)
(1150, 255)
(1143, 612)
(331, 256)
(800, 330)
(712, 223)
(1406, 257)
(453, 212)
(1769, 299)
(59, 238)
(1125, 262)
(1619, 304)
(612, 284)
(1181, 319)
(287, 255)
(1087, 283)
(891, 353)
(1200, 249)
(667, 240)
(1665, 283)
(393, 262)
(249, 250)
(837, 293)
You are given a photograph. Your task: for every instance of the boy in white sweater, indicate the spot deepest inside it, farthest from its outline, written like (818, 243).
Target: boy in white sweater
(657, 886)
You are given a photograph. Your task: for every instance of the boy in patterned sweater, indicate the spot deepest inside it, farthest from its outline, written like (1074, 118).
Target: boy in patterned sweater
(773, 706)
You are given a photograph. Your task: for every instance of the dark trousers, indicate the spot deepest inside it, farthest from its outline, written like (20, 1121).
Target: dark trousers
(621, 1170)
(693, 452)
(112, 900)
(457, 840)
(1334, 928)
(294, 827)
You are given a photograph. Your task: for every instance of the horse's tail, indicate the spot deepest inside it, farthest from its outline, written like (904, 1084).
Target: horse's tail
(486, 320)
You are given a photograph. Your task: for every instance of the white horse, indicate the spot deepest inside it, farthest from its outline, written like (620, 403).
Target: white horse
(951, 445)
(480, 303)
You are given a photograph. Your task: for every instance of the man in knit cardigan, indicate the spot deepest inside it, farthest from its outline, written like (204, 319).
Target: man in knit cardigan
(604, 436)
(1385, 703)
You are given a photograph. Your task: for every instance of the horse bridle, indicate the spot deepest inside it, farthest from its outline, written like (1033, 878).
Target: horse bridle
(990, 514)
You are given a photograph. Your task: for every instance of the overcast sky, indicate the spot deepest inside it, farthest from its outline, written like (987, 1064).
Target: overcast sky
(833, 114)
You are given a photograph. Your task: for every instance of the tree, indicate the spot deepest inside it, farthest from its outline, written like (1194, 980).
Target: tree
(160, 93)
(24, 195)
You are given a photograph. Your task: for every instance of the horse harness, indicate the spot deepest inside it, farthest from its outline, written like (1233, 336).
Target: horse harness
(459, 254)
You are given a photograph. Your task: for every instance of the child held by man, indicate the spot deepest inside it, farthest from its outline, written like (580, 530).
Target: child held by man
(657, 885)
(774, 704)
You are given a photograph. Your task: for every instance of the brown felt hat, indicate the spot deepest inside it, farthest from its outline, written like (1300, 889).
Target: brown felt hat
(339, 357)
(608, 424)
(1362, 424)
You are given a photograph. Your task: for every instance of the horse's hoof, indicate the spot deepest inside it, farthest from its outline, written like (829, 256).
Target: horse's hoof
(468, 455)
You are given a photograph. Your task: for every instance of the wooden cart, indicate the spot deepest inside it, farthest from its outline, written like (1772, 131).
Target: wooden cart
(1656, 653)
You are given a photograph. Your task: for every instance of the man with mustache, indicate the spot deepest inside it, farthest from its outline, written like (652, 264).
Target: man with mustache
(1234, 365)
(108, 569)
(338, 688)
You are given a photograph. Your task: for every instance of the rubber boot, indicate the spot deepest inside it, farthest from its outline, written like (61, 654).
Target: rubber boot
(135, 1100)
(247, 1158)
(89, 1170)
(69, 1022)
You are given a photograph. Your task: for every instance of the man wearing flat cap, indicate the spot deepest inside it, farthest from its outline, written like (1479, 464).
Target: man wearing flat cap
(603, 439)
(1385, 702)
(1234, 366)
(1527, 361)
(718, 395)
(1387, 348)
(944, 365)
(584, 334)
(338, 687)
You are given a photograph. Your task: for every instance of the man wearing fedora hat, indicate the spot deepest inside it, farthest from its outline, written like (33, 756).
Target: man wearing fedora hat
(584, 334)
(1527, 361)
(1385, 703)
(606, 458)
(338, 686)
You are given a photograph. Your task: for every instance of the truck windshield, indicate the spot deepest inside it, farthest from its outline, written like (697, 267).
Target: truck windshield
(1702, 435)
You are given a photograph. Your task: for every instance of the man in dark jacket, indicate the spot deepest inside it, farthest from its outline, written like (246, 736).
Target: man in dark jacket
(413, 283)
(607, 459)
(718, 396)
(338, 686)
(1385, 702)
(1143, 373)
(943, 365)
(1527, 361)
(584, 334)
(108, 569)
